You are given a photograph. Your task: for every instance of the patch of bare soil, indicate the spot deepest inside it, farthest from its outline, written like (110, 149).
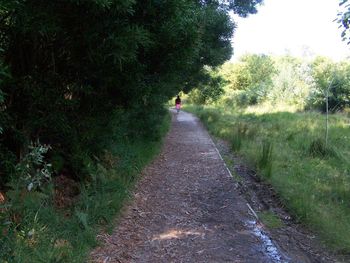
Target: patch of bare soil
(188, 208)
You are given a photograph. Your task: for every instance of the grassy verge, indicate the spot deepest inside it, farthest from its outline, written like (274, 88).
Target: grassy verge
(289, 151)
(34, 230)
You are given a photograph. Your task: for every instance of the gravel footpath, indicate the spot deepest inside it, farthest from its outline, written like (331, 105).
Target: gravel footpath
(187, 208)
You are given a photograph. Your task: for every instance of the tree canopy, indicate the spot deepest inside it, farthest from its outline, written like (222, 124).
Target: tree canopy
(75, 73)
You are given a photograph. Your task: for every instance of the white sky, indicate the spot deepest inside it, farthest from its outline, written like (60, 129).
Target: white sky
(282, 26)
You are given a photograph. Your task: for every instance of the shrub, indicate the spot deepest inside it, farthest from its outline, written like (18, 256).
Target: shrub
(318, 148)
(32, 170)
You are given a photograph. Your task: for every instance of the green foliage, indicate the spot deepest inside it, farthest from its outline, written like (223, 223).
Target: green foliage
(284, 80)
(252, 75)
(331, 81)
(35, 231)
(32, 170)
(318, 148)
(209, 89)
(236, 141)
(266, 158)
(270, 219)
(291, 84)
(215, 20)
(243, 8)
(240, 132)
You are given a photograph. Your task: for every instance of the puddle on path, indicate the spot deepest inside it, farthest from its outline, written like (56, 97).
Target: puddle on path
(267, 245)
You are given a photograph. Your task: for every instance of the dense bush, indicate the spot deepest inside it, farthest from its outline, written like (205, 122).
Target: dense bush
(252, 75)
(332, 83)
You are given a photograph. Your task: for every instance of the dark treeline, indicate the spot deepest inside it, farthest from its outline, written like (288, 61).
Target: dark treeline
(79, 74)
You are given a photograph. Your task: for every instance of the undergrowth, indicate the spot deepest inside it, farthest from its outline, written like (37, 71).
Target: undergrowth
(33, 229)
(289, 151)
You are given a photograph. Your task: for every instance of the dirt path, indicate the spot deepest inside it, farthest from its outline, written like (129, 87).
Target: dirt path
(188, 208)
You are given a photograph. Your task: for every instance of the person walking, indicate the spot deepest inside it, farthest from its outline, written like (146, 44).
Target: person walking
(178, 104)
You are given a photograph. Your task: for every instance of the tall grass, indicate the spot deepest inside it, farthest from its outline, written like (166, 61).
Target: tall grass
(265, 159)
(288, 149)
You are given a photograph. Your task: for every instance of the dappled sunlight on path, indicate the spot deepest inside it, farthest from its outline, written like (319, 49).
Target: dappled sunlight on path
(175, 234)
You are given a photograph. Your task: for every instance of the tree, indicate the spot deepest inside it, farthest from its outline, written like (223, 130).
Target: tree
(291, 84)
(252, 74)
(331, 85)
(209, 89)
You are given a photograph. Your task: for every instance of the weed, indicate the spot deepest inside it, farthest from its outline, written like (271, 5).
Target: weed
(236, 142)
(318, 148)
(32, 170)
(265, 160)
(270, 219)
(239, 133)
